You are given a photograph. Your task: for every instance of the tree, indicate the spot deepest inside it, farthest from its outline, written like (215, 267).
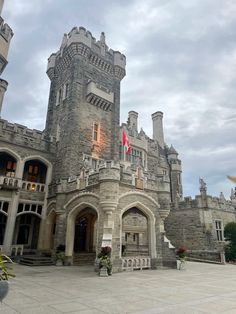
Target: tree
(230, 236)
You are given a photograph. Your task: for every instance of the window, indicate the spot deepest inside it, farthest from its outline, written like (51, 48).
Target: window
(5, 207)
(33, 169)
(95, 132)
(66, 90)
(219, 230)
(59, 97)
(10, 168)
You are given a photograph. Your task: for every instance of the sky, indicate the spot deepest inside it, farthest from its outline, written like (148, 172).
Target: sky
(181, 60)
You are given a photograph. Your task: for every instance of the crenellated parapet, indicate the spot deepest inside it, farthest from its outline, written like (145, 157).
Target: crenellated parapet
(21, 135)
(209, 202)
(112, 173)
(80, 41)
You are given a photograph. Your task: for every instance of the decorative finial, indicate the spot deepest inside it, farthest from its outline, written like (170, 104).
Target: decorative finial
(102, 38)
(203, 187)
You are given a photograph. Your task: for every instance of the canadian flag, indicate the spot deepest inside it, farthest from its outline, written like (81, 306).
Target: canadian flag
(126, 144)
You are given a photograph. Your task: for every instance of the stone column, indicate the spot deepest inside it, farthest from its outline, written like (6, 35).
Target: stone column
(108, 225)
(10, 227)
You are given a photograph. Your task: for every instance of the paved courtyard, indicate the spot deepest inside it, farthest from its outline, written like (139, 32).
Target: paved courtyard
(200, 288)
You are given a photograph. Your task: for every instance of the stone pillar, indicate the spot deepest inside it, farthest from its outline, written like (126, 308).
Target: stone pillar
(10, 227)
(158, 134)
(60, 229)
(108, 224)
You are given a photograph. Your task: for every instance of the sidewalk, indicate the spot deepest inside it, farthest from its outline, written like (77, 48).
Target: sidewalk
(201, 288)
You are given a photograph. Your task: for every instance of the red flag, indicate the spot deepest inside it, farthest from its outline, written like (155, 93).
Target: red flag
(126, 144)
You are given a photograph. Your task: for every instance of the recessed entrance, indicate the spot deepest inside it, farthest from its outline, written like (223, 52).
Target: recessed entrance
(85, 231)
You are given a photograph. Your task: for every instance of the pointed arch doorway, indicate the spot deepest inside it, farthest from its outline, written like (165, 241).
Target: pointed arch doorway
(85, 231)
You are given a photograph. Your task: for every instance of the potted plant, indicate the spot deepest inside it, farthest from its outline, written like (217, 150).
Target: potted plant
(105, 264)
(181, 255)
(5, 275)
(60, 255)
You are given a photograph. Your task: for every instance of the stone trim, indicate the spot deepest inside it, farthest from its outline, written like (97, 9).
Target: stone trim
(139, 194)
(80, 195)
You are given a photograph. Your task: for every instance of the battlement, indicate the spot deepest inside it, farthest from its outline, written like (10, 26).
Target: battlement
(23, 135)
(209, 202)
(97, 51)
(115, 172)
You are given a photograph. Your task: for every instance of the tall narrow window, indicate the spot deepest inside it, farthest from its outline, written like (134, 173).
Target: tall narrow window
(95, 132)
(60, 96)
(219, 230)
(66, 90)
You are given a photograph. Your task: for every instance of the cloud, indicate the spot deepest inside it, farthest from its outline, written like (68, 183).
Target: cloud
(181, 59)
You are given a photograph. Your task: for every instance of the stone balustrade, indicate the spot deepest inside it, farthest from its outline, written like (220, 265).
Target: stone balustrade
(17, 249)
(16, 183)
(135, 263)
(12, 183)
(33, 186)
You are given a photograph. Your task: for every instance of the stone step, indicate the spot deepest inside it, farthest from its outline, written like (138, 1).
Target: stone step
(36, 261)
(84, 258)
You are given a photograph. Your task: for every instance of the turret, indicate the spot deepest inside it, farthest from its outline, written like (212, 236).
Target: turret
(84, 101)
(133, 120)
(175, 174)
(158, 134)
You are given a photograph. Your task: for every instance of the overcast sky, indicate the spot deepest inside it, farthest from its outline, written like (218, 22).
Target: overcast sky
(181, 59)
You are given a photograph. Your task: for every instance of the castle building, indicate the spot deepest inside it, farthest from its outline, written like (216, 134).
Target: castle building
(74, 183)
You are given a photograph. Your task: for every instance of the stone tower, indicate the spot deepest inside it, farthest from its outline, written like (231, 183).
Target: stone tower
(6, 34)
(84, 102)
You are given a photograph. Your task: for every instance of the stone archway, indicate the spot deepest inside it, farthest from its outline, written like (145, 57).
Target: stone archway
(86, 215)
(85, 231)
(135, 233)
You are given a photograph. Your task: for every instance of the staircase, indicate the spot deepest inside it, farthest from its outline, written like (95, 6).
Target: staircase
(81, 259)
(34, 260)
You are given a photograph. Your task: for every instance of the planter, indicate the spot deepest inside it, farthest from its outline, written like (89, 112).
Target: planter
(181, 264)
(59, 262)
(3, 289)
(103, 272)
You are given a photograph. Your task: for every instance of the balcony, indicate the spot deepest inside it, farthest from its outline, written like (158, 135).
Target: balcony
(99, 96)
(11, 183)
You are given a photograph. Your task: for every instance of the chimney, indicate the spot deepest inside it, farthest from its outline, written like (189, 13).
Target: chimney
(3, 88)
(1, 5)
(158, 134)
(133, 120)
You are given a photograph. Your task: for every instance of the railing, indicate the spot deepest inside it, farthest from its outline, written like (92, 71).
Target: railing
(17, 249)
(16, 183)
(132, 263)
(33, 186)
(12, 183)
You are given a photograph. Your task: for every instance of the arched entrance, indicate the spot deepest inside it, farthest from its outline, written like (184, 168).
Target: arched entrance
(85, 231)
(27, 230)
(135, 239)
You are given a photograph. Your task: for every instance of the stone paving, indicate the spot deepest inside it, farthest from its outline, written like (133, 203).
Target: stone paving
(200, 288)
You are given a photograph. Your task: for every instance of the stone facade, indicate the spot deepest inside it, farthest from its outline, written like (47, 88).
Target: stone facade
(198, 224)
(74, 184)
